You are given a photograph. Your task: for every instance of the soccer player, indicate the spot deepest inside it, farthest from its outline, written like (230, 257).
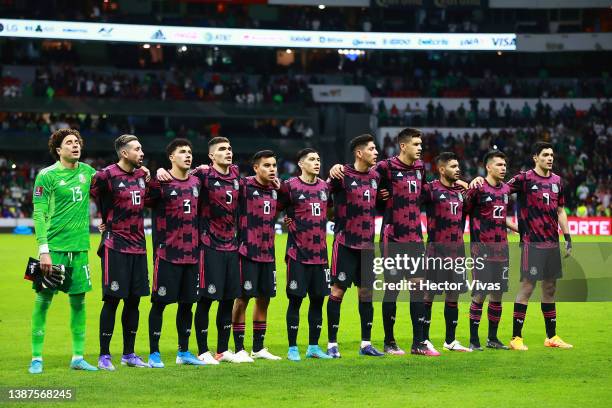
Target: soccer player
(176, 251)
(443, 201)
(305, 199)
(354, 198)
(257, 203)
(401, 181)
(540, 195)
(119, 190)
(61, 222)
(219, 263)
(486, 207)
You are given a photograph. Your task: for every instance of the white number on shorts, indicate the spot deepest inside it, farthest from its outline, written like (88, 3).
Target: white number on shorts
(316, 209)
(187, 206)
(266, 207)
(498, 211)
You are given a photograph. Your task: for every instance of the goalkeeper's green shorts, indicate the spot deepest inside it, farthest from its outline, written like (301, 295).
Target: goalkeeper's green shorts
(79, 262)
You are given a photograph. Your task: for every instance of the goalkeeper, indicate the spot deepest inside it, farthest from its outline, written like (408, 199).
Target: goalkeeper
(61, 221)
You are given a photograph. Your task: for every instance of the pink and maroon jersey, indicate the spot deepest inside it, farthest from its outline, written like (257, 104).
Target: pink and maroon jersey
(487, 207)
(175, 219)
(538, 200)
(218, 208)
(444, 209)
(402, 216)
(306, 204)
(354, 200)
(121, 197)
(257, 218)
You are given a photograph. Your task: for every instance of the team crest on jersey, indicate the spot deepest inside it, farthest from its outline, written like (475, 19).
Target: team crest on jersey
(533, 271)
(293, 285)
(460, 197)
(195, 191)
(114, 286)
(81, 178)
(555, 188)
(505, 198)
(141, 182)
(373, 184)
(323, 195)
(418, 174)
(248, 285)
(161, 291)
(342, 276)
(274, 195)
(212, 289)
(236, 185)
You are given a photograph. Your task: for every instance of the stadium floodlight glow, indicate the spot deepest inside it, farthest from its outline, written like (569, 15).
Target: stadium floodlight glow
(280, 39)
(321, 6)
(184, 48)
(288, 51)
(146, 46)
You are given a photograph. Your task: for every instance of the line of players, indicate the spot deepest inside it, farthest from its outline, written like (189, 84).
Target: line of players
(213, 239)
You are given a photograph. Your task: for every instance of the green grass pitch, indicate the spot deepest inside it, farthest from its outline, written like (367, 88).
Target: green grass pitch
(539, 377)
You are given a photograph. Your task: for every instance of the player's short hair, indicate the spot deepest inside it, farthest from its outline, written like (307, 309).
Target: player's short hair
(537, 147)
(445, 157)
(122, 141)
(262, 154)
(360, 141)
(491, 154)
(305, 152)
(57, 137)
(406, 134)
(178, 142)
(216, 141)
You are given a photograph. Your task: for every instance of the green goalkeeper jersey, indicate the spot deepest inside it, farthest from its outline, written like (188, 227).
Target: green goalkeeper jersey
(61, 207)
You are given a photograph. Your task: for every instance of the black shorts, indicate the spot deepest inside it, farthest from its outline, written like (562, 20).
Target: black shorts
(258, 279)
(352, 266)
(308, 279)
(540, 263)
(174, 282)
(445, 268)
(492, 275)
(412, 250)
(124, 275)
(219, 274)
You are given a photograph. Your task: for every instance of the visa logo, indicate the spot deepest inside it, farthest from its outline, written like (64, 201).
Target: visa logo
(504, 42)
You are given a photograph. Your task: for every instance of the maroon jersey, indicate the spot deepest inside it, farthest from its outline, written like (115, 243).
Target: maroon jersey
(402, 216)
(175, 219)
(354, 200)
(538, 200)
(257, 218)
(121, 197)
(306, 204)
(218, 208)
(487, 208)
(444, 209)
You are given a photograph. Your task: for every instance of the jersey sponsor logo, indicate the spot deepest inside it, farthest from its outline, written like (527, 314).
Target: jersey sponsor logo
(217, 184)
(236, 185)
(534, 187)
(121, 185)
(248, 285)
(488, 199)
(301, 197)
(354, 183)
(342, 276)
(141, 182)
(373, 184)
(212, 289)
(555, 188)
(62, 183)
(81, 178)
(293, 285)
(323, 195)
(161, 291)
(173, 193)
(255, 193)
(442, 196)
(196, 192)
(114, 286)
(38, 191)
(399, 174)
